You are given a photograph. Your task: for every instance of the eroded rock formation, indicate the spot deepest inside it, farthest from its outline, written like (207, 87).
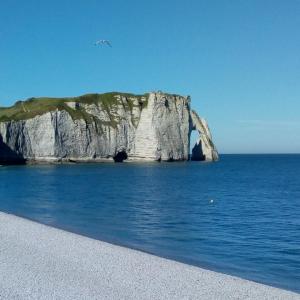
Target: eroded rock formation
(112, 126)
(204, 148)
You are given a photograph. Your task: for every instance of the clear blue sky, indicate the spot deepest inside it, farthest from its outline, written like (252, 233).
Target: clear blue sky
(239, 60)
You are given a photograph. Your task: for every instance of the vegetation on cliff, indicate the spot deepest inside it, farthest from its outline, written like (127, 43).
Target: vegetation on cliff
(23, 110)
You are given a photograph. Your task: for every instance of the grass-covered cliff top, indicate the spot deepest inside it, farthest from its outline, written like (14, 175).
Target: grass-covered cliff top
(23, 110)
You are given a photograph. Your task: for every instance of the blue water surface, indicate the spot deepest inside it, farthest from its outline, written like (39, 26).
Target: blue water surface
(251, 228)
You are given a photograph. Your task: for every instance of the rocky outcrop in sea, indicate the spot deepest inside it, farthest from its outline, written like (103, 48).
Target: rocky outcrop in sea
(99, 127)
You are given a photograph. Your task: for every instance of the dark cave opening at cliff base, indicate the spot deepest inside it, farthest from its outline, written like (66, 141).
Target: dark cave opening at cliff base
(8, 156)
(121, 156)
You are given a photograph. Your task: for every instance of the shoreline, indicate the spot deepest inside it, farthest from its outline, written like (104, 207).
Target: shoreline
(118, 243)
(39, 261)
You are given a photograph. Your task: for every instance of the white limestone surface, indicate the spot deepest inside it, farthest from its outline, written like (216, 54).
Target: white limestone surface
(156, 128)
(41, 262)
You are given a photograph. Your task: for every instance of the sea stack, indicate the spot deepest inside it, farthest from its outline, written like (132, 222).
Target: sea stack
(100, 127)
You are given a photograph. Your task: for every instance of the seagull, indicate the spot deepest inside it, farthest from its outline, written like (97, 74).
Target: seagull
(103, 42)
(211, 201)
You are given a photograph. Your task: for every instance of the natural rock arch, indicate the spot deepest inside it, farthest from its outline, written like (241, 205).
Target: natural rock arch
(204, 149)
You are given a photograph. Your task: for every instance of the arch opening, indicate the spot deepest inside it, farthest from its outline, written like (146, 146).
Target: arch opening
(196, 147)
(197, 152)
(194, 136)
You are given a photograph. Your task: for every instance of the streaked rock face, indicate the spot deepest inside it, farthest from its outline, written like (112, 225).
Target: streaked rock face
(157, 131)
(163, 130)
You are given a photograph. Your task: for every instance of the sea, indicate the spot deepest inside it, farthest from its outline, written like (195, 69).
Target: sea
(239, 216)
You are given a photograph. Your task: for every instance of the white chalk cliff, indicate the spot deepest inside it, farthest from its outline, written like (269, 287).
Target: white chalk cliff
(97, 127)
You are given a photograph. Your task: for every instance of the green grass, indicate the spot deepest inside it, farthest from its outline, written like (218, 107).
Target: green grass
(23, 110)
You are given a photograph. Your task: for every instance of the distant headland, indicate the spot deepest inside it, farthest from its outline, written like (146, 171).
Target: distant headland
(103, 127)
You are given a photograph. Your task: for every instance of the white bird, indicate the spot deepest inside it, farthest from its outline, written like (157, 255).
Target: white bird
(211, 201)
(103, 42)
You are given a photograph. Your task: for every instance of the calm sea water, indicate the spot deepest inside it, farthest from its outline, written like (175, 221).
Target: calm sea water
(251, 228)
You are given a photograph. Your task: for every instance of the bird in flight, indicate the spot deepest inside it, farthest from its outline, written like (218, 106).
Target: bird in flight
(103, 42)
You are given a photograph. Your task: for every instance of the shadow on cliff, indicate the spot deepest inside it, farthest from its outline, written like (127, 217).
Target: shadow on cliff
(8, 156)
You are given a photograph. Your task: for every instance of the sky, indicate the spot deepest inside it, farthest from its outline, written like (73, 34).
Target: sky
(238, 60)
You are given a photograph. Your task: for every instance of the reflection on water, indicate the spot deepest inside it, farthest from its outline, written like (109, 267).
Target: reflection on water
(251, 229)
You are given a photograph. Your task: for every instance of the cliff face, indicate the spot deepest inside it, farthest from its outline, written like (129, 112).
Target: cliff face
(117, 126)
